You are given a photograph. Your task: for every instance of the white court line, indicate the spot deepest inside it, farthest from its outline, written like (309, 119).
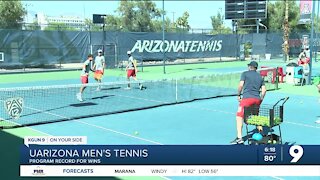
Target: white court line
(205, 109)
(214, 110)
(226, 112)
(100, 127)
(299, 124)
(41, 111)
(165, 178)
(117, 132)
(151, 100)
(39, 131)
(275, 177)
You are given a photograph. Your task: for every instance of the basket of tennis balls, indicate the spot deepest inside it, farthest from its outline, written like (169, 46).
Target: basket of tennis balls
(263, 121)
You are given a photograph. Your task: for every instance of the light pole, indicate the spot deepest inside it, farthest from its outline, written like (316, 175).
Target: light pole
(317, 31)
(173, 16)
(285, 45)
(235, 30)
(163, 53)
(311, 41)
(27, 12)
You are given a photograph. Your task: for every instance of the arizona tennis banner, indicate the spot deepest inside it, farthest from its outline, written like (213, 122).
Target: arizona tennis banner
(305, 11)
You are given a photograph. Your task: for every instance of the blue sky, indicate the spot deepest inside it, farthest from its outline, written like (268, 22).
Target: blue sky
(200, 11)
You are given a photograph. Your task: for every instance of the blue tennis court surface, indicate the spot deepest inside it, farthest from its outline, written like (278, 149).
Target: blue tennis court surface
(201, 122)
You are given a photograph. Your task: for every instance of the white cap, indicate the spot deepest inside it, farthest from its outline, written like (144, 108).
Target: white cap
(99, 50)
(128, 52)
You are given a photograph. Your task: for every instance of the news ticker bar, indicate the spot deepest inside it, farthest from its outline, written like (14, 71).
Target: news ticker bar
(142, 170)
(169, 155)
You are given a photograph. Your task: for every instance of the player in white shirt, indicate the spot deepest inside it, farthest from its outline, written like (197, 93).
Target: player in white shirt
(99, 65)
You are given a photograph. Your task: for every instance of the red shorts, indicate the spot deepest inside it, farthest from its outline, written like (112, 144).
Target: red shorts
(247, 102)
(131, 73)
(84, 79)
(98, 74)
(304, 61)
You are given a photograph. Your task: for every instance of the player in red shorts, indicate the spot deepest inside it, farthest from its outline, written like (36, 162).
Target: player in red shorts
(85, 75)
(250, 84)
(132, 70)
(99, 65)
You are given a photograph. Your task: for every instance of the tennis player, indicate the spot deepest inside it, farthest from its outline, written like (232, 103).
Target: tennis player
(132, 70)
(99, 65)
(86, 67)
(250, 84)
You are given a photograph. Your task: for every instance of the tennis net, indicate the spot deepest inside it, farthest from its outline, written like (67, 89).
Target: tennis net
(28, 106)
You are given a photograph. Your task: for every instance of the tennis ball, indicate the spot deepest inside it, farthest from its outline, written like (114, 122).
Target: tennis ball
(269, 141)
(136, 133)
(274, 142)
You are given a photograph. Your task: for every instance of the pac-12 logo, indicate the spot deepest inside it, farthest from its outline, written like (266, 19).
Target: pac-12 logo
(14, 106)
(38, 171)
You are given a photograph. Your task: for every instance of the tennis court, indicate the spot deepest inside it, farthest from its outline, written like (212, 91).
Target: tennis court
(206, 121)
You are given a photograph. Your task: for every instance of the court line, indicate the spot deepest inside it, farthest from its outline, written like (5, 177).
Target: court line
(143, 139)
(275, 177)
(228, 112)
(42, 111)
(117, 132)
(299, 124)
(39, 131)
(165, 178)
(100, 127)
(95, 126)
(189, 106)
(215, 110)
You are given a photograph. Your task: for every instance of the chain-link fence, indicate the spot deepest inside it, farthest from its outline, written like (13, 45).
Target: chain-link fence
(32, 47)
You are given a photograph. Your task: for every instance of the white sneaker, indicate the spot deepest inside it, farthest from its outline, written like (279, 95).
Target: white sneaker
(317, 121)
(140, 87)
(79, 97)
(127, 88)
(98, 88)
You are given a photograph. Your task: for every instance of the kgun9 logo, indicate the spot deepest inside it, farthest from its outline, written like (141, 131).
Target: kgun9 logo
(296, 152)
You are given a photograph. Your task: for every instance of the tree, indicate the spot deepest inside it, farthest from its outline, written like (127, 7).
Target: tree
(138, 15)
(89, 26)
(275, 18)
(276, 14)
(11, 14)
(218, 26)
(182, 22)
(127, 14)
(157, 25)
(112, 23)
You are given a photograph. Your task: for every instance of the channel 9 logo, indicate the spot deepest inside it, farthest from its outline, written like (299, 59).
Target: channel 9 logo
(38, 171)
